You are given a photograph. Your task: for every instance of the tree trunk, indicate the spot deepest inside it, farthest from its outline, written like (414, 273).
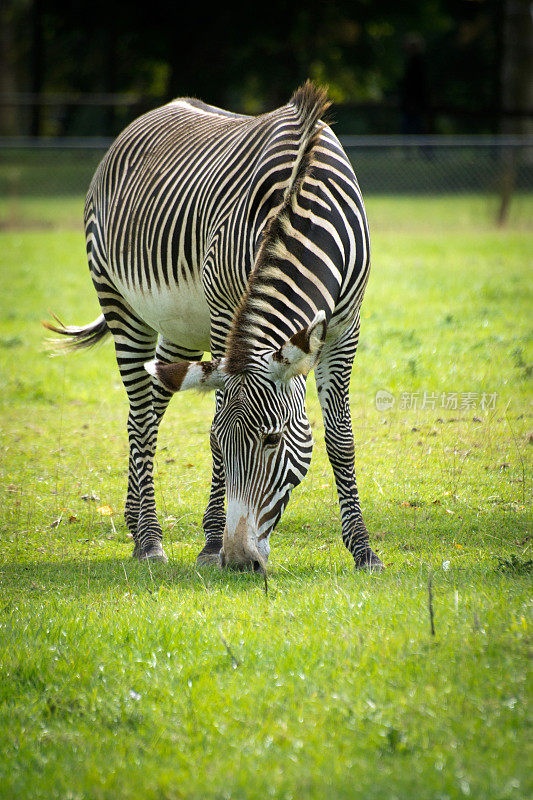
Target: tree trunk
(516, 92)
(37, 66)
(9, 122)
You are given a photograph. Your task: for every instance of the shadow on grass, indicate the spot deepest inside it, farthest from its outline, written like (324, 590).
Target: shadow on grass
(89, 577)
(83, 576)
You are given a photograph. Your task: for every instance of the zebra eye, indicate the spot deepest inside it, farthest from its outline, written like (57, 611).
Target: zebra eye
(272, 438)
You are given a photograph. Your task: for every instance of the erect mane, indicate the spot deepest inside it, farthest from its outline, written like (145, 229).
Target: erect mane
(310, 103)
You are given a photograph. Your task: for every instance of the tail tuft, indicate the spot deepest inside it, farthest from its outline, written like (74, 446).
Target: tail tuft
(79, 338)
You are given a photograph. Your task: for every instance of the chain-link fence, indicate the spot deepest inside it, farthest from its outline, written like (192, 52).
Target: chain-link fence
(441, 164)
(496, 166)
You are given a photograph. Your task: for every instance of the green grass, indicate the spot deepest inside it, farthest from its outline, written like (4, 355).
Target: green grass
(424, 214)
(125, 681)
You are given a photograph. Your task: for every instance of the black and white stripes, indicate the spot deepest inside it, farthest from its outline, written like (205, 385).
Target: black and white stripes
(245, 237)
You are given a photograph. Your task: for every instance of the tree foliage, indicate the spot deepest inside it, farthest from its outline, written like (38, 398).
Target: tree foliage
(251, 57)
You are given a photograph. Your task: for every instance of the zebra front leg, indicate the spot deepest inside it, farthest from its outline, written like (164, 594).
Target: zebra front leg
(332, 375)
(214, 518)
(168, 352)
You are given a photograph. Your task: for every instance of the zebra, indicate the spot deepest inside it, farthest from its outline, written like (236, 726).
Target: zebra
(246, 238)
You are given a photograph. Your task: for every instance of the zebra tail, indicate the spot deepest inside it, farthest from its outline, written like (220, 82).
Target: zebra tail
(79, 338)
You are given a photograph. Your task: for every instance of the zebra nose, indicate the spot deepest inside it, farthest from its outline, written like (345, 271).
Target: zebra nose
(244, 565)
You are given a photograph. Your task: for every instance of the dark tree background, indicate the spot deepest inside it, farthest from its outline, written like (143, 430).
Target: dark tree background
(88, 67)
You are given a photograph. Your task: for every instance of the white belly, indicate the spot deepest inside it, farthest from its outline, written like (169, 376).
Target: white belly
(181, 315)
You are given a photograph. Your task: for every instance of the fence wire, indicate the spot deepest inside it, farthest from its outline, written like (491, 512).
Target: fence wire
(431, 165)
(385, 165)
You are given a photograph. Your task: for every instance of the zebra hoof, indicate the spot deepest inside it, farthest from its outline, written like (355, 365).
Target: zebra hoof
(369, 562)
(154, 553)
(208, 560)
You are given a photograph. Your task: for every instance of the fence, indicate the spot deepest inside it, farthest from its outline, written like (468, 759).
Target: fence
(497, 166)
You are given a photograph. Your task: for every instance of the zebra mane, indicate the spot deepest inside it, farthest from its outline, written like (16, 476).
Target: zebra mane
(309, 104)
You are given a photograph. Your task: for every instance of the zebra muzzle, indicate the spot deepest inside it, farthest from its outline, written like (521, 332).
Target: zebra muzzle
(241, 552)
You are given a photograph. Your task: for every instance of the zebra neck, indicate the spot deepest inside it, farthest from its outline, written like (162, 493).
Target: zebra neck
(292, 280)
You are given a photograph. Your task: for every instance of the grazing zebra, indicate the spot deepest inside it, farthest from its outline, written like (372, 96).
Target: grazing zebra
(245, 237)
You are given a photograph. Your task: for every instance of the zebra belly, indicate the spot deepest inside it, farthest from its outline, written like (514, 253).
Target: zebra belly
(178, 313)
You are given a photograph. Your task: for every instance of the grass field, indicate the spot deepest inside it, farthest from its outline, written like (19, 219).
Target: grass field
(125, 680)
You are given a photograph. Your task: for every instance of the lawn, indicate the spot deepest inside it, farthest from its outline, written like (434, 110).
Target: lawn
(127, 680)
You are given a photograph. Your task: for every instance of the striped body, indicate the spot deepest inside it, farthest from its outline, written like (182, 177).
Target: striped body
(178, 207)
(245, 237)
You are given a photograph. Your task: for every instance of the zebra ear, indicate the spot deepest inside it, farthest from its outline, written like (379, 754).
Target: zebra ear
(299, 353)
(203, 376)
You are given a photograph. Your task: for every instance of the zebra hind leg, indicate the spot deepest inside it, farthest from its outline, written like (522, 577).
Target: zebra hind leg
(135, 344)
(133, 501)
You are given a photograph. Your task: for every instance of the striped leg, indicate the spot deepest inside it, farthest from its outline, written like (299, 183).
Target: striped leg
(133, 503)
(135, 343)
(160, 398)
(214, 518)
(142, 433)
(167, 353)
(332, 375)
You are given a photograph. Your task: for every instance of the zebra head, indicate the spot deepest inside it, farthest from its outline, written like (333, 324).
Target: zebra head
(262, 432)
